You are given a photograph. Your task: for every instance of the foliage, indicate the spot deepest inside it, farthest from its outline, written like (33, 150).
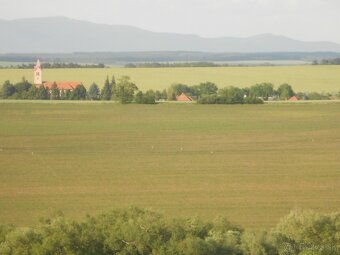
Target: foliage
(94, 92)
(285, 91)
(7, 89)
(106, 93)
(137, 231)
(79, 93)
(263, 90)
(145, 98)
(204, 89)
(55, 92)
(125, 90)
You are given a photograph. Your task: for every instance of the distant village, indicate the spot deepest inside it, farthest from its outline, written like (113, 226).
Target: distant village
(125, 91)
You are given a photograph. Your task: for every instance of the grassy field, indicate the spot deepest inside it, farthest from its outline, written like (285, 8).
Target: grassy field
(302, 78)
(252, 164)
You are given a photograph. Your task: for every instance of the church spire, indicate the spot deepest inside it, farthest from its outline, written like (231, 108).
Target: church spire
(38, 73)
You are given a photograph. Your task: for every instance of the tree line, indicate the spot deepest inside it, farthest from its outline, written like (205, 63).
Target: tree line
(55, 65)
(334, 61)
(209, 93)
(125, 91)
(175, 64)
(142, 232)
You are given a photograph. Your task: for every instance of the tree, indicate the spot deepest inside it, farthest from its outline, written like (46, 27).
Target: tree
(42, 93)
(93, 92)
(232, 95)
(106, 93)
(113, 87)
(285, 91)
(7, 89)
(147, 98)
(164, 95)
(158, 95)
(125, 90)
(204, 89)
(263, 90)
(22, 88)
(55, 92)
(79, 93)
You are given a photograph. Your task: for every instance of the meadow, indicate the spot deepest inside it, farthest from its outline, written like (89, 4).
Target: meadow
(306, 78)
(250, 163)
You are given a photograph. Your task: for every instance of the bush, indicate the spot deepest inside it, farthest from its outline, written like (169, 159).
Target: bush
(138, 231)
(253, 100)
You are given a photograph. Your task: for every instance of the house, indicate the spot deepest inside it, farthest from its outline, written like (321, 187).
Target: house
(184, 98)
(293, 99)
(62, 86)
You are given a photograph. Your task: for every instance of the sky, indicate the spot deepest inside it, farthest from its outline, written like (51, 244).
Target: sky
(308, 20)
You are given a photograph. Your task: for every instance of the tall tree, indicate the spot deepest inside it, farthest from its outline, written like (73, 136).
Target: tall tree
(79, 93)
(263, 90)
(106, 93)
(285, 91)
(42, 93)
(93, 92)
(55, 92)
(7, 89)
(125, 90)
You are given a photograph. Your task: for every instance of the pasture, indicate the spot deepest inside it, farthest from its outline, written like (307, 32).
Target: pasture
(251, 163)
(303, 78)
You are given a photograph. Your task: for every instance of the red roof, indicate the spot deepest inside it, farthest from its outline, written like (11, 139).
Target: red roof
(63, 85)
(293, 98)
(184, 98)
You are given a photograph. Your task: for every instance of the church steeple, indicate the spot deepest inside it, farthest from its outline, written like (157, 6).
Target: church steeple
(38, 73)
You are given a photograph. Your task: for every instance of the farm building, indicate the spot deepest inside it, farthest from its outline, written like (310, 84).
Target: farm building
(62, 86)
(184, 98)
(293, 99)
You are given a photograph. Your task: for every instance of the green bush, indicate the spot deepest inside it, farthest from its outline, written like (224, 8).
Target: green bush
(137, 231)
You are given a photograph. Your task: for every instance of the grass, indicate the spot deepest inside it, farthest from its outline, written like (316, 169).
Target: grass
(303, 78)
(252, 164)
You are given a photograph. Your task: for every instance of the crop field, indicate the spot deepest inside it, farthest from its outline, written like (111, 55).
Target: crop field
(302, 78)
(252, 164)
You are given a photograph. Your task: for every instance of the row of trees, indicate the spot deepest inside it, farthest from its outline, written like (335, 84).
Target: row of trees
(123, 91)
(334, 61)
(55, 65)
(25, 90)
(208, 93)
(141, 232)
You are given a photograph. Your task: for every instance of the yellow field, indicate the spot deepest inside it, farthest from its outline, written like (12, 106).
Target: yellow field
(302, 78)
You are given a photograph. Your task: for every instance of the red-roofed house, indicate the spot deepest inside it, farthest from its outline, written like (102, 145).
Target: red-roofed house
(293, 99)
(184, 98)
(62, 86)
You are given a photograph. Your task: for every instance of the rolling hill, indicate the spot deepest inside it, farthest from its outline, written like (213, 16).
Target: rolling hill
(64, 35)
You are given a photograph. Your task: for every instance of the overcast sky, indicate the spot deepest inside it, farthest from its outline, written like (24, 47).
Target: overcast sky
(300, 19)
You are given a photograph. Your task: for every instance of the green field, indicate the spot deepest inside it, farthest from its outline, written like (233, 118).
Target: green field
(302, 78)
(252, 164)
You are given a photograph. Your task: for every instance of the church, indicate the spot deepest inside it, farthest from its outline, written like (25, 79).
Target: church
(62, 86)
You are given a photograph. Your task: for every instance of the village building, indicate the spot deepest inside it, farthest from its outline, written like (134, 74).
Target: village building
(293, 99)
(62, 86)
(184, 98)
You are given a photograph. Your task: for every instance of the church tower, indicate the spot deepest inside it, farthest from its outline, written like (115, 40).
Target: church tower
(38, 73)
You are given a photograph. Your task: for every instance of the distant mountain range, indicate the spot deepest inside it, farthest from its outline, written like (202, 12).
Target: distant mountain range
(64, 35)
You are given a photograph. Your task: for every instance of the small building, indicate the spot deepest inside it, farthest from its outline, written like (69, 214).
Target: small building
(184, 98)
(293, 99)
